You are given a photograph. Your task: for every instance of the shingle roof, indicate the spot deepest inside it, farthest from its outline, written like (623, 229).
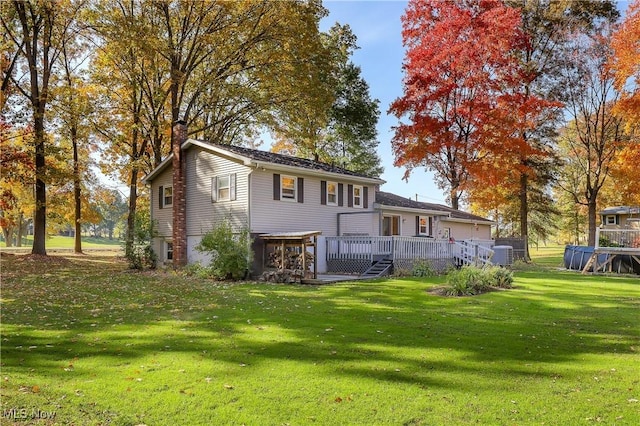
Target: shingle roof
(621, 210)
(287, 160)
(392, 200)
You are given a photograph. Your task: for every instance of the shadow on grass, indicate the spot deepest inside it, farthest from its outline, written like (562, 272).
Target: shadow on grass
(387, 331)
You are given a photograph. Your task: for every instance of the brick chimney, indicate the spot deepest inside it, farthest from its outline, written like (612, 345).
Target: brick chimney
(179, 136)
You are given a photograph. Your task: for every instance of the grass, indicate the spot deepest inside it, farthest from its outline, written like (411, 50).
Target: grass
(58, 241)
(97, 344)
(548, 255)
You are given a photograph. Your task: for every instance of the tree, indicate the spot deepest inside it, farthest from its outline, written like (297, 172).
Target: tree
(345, 134)
(16, 183)
(73, 108)
(625, 63)
(35, 30)
(548, 26)
(132, 82)
(594, 134)
(459, 69)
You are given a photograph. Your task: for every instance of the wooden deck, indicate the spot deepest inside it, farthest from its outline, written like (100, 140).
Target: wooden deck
(355, 254)
(613, 243)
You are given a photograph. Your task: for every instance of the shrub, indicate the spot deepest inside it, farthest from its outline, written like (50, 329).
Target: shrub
(230, 251)
(501, 277)
(423, 268)
(470, 280)
(467, 281)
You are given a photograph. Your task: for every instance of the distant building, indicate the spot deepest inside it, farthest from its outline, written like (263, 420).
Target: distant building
(621, 217)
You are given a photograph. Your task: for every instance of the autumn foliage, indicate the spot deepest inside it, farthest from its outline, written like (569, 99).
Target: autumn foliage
(465, 111)
(626, 64)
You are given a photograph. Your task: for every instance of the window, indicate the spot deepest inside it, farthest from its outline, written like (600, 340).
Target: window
(357, 196)
(167, 196)
(423, 225)
(288, 188)
(223, 188)
(169, 251)
(332, 193)
(611, 220)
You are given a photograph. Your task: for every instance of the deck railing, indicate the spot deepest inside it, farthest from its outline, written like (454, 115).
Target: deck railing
(371, 248)
(471, 252)
(617, 238)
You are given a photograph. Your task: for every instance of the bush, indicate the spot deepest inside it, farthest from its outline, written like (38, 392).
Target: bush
(467, 281)
(423, 268)
(501, 277)
(471, 280)
(230, 251)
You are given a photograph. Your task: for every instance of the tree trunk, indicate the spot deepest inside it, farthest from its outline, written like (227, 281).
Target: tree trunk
(455, 199)
(592, 220)
(76, 192)
(524, 212)
(20, 229)
(40, 214)
(131, 217)
(8, 235)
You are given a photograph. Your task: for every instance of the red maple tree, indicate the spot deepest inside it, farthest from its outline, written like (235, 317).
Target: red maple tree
(462, 101)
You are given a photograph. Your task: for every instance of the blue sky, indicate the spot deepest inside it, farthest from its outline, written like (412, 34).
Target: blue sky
(378, 28)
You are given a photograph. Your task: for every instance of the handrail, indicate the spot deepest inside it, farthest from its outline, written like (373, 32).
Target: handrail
(471, 253)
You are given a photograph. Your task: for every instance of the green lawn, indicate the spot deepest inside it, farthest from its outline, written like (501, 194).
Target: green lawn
(97, 344)
(548, 255)
(58, 241)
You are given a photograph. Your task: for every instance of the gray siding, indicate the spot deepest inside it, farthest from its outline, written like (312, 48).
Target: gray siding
(269, 215)
(162, 216)
(202, 213)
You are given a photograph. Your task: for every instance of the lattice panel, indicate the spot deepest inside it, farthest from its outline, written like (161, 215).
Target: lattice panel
(440, 265)
(347, 266)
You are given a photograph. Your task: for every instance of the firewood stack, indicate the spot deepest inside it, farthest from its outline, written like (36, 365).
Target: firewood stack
(292, 260)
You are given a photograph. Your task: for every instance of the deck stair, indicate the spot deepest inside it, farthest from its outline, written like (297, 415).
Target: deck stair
(379, 269)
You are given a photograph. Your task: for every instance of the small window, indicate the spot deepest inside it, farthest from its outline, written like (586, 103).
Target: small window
(423, 225)
(332, 193)
(169, 251)
(288, 188)
(611, 220)
(224, 188)
(357, 197)
(167, 196)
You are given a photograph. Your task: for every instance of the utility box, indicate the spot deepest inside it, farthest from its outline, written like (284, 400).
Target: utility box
(502, 255)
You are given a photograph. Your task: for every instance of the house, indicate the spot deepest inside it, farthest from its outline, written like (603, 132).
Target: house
(275, 194)
(406, 217)
(621, 217)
